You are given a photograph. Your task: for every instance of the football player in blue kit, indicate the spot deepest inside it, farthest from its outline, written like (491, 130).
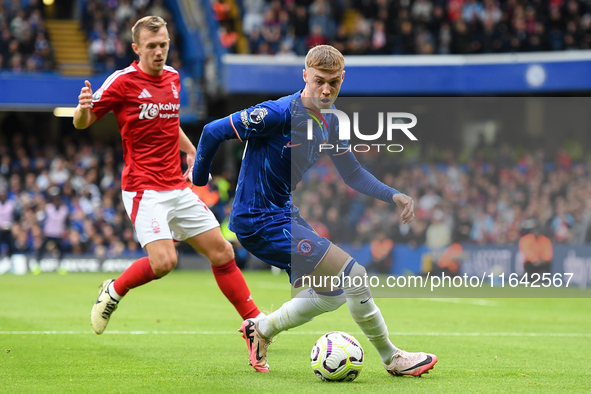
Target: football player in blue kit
(280, 148)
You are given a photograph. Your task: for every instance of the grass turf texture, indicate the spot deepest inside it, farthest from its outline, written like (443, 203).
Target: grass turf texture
(520, 355)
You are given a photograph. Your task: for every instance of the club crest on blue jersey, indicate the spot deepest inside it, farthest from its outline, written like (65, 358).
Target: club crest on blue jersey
(257, 115)
(306, 247)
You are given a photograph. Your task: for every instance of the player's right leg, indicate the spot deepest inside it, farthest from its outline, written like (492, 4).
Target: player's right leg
(160, 261)
(274, 245)
(153, 232)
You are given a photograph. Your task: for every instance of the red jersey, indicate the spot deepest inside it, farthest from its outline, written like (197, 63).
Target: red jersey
(147, 110)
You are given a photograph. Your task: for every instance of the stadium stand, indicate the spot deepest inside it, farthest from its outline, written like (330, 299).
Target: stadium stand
(412, 27)
(484, 200)
(24, 40)
(108, 28)
(58, 198)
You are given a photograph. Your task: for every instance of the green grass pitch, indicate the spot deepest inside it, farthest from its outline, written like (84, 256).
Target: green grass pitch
(179, 335)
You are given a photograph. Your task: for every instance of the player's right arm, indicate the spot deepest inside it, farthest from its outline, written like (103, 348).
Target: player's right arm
(259, 121)
(83, 115)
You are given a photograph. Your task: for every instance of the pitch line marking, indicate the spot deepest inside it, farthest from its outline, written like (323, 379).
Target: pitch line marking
(402, 333)
(479, 302)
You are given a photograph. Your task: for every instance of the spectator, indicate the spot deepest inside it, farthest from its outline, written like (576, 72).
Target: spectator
(54, 226)
(321, 15)
(561, 223)
(422, 10)
(301, 29)
(74, 243)
(253, 15)
(427, 202)
(286, 50)
(471, 11)
(537, 252)
(405, 41)
(438, 233)
(316, 37)
(228, 38)
(379, 39)
(340, 40)
(381, 253)
(7, 211)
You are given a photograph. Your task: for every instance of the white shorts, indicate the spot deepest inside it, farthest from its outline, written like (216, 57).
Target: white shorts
(172, 214)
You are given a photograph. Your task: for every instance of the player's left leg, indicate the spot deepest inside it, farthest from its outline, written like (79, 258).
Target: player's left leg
(227, 274)
(369, 317)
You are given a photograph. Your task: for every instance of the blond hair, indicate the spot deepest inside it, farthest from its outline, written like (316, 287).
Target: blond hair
(150, 23)
(325, 58)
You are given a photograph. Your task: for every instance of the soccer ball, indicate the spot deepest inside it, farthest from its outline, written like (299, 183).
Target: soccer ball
(337, 356)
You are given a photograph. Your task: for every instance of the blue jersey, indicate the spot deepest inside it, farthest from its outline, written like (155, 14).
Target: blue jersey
(283, 140)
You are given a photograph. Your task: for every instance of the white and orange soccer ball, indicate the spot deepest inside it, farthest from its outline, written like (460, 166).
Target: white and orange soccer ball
(337, 356)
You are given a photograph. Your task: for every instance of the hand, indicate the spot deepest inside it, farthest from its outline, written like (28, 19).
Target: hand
(191, 159)
(190, 162)
(189, 175)
(407, 205)
(85, 97)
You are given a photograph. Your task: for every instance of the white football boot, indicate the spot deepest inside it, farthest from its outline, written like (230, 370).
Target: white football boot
(102, 309)
(414, 364)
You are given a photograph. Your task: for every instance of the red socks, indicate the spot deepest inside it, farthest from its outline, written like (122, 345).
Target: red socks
(228, 276)
(139, 273)
(232, 284)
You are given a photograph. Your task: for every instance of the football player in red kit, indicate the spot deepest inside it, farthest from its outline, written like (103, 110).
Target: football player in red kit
(145, 99)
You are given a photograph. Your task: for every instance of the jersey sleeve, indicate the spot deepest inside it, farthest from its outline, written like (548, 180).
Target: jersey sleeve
(358, 178)
(108, 96)
(260, 121)
(340, 146)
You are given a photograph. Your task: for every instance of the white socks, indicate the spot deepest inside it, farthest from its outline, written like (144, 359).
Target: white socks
(297, 311)
(366, 313)
(308, 304)
(113, 293)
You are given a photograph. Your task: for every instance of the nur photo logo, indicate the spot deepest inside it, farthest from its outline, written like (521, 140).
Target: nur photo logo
(394, 121)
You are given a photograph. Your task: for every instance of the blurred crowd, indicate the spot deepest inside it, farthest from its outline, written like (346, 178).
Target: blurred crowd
(24, 42)
(63, 201)
(66, 199)
(289, 28)
(108, 25)
(482, 201)
(359, 27)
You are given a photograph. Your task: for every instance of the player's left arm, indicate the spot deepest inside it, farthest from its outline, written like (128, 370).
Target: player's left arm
(358, 178)
(187, 146)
